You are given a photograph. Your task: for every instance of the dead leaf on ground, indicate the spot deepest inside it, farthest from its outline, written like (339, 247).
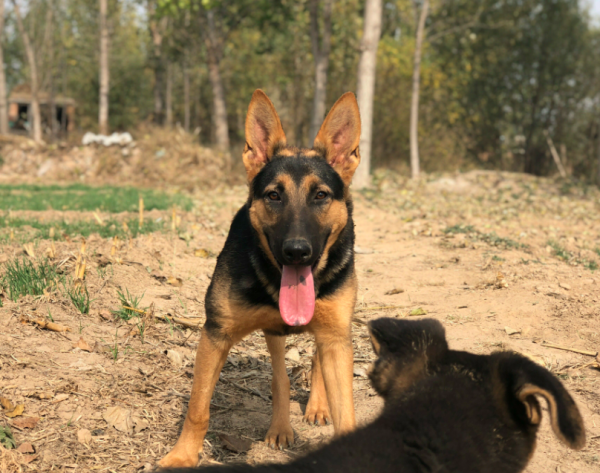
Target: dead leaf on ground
(82, 345)
(25, 459)
(175, 357)
(511, 331)
(26, 422)
(140, 424)
(118, 418)
(6, 404)
(18, 410)
(501, 281)
(201, 253)
(235, 444)
(173, 281)
(293, 354)
(418, 311)
(396, 290)
(84, 436)
(26, 447)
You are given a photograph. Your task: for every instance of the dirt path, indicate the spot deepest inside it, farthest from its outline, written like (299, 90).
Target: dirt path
(505, 262)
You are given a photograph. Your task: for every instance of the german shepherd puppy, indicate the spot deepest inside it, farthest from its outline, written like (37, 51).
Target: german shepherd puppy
(287, 267)
(445, 411)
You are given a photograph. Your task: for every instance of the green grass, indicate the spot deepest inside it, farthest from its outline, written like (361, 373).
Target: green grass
(82, 197)
(24, 277)
(453, 230)
(80, 298)
(26, 229)
(6, 438)
(489, 238)
(128, 300)
(566, 256)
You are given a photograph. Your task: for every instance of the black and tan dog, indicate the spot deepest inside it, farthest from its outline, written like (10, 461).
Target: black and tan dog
(287, 267)
(445, 411)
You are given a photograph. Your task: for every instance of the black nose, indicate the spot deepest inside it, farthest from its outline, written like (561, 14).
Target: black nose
(296, 251)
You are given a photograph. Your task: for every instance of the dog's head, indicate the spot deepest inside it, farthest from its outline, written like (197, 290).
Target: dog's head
(410, 351)
(298, 200)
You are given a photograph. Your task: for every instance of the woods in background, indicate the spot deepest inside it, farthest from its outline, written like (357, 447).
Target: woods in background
(451, 84)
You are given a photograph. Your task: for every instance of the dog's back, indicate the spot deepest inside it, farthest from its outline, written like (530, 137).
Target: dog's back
(445, 410)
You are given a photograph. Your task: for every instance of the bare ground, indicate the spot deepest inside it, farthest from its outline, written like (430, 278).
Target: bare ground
(498, 285)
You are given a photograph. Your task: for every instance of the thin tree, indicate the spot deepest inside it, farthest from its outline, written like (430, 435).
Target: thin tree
(169, 96)
(158, 27)
(214, 51)
(104, 71)
(36, 117)
(49, 45)
(3, 101)
(186, 74)
(414, 103)
(321, 56)
(365, 87)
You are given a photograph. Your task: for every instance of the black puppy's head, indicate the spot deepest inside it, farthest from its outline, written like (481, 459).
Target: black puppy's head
(406, 350)
(298, 197)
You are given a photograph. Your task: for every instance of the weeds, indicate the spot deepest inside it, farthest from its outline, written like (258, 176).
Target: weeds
(129, 302)
(489, 238)
(566, 256)
(22, 277)
(453, 230)
(6, 438)
(80, 297)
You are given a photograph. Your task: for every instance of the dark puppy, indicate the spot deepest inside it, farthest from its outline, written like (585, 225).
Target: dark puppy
(287, 267)
(445, 411)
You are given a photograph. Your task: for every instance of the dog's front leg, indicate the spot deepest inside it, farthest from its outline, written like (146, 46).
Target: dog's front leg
(210, 358)
(334, 345)
(280, 433)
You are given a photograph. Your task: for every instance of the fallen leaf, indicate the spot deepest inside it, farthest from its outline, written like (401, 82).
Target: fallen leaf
(26, 447)
(17, 411)
(26, 422)
(6, 404)
(201, 253)
(84, 436)
(293, 354)
(140, 424)
(360, 372)
(418, 311)
(173, 281)
(565, 286)
(82, 345)
(235, 444)
(396, 290)
(28, 458)
(501, 281)
(510, 331)
(119, 418)
(175, 357)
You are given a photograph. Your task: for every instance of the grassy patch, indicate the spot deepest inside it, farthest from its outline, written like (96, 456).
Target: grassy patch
(26, 230)
(82, 197)
(129, 302)
(489, 238)
(6, 438)
(568, 257)
(80, 298)
(23, 277)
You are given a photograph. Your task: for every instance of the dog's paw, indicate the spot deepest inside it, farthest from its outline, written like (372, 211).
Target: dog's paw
(178, 459)
(317, 415)
(280, 436)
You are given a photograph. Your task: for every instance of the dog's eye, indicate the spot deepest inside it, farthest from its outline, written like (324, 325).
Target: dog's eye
(273, 196)
(321, 195)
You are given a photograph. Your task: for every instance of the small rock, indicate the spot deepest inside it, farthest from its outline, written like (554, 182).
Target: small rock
(360, 372)
(565, 286)
(84, 436)
(293, 354)
(510, 331)
(175, 357)
(363, 251)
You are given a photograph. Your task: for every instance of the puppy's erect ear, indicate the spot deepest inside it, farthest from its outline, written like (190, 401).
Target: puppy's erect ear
(264, 133)
(340, 135)
(525, 380)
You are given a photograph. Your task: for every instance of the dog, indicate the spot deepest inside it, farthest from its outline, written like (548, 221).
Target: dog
(445, 411)
(287, 267)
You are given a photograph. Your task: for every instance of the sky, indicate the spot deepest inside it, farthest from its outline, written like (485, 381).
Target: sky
(595, 7)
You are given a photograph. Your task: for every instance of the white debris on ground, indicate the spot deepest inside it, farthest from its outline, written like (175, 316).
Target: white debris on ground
(119, 139)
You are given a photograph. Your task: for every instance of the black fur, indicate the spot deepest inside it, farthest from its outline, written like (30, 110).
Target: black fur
(461, 413)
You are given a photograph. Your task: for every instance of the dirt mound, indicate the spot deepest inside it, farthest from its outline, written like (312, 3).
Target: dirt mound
(157, 158)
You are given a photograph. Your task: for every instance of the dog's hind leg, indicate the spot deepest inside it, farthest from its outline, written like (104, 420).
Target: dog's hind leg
(280, 433)
(317, 409)
(210, 358)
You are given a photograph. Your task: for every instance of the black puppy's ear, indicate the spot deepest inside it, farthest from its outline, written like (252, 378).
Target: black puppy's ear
(525, 380)
(407, 338)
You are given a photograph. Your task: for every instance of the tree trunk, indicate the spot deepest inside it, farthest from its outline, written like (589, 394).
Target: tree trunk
(3, 101)
(104, 72)
(35, 114)
(365, 87)
(321, 56)
(169, 96)
(598, 164)
(414, 104)
(49, 43)
(157, 30)
(186, 95)
(213, 50)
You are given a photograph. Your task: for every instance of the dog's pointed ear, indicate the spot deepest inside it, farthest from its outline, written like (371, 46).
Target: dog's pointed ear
(339, 136)
(530, 380)
(264, 133)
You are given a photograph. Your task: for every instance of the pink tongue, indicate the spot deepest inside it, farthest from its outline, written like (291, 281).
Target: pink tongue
(297, 295)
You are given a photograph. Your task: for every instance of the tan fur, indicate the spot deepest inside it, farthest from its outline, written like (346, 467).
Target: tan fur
(317, 410)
